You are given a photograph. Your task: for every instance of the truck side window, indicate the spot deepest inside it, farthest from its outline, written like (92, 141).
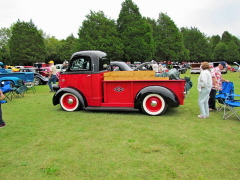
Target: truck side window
(81, 64)
(104, 65)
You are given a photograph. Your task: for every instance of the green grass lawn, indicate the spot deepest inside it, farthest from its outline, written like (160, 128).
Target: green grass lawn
(41, 141)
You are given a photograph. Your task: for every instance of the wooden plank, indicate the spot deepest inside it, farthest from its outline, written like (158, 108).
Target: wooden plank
(129, 73)
(132, 75)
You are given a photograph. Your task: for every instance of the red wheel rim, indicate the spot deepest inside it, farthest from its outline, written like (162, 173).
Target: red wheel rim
(153, 104)
(69, 101)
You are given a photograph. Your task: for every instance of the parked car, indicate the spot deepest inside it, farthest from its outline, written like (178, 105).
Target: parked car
(181, 69)
(13, 68)
(132, 66)
(195, 68)
(44, 71)
(238, 65)
(186, 65)
(119, 66)
(59, 67)
(19, 67)
(89, 84)
(28, 66)
(234, 68)
(137, 63)
(40, 64)
(146, 66)
(38, 78)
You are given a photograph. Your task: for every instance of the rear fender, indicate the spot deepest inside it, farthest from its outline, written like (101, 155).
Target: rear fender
(60, 92)
(170, 98)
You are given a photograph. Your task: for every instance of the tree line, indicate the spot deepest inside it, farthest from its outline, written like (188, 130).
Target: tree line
(130, 38)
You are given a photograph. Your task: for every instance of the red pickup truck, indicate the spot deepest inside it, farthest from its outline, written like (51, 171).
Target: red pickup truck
(90, 83)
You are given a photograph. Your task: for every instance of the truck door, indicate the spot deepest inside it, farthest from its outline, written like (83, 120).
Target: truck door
(80, 75)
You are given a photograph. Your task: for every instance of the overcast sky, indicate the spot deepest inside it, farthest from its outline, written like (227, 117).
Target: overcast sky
(63, 18)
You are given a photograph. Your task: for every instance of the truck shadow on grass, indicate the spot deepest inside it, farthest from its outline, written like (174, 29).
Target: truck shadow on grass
(169, 112)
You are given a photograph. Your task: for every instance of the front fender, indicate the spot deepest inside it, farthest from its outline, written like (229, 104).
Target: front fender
(170, 98)
(43, 78)
(60, 92)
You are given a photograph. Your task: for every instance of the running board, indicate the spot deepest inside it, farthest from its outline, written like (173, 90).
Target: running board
(110, 108)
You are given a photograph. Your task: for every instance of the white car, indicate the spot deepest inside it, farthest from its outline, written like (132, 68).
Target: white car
(58, 67)
(195, 68)
(238, 66)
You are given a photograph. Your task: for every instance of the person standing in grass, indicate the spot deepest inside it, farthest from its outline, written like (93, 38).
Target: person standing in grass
(2, 123)
(216, 84)
(52, 75)
(204, 88)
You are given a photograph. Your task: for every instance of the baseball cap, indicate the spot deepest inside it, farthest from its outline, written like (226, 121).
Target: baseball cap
(223, 63)
(51, 62)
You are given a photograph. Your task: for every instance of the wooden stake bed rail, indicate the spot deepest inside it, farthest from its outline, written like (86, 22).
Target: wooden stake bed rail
(132, 75)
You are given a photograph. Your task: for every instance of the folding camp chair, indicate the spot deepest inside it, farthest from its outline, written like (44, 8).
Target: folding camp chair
(20, 88)
(29, 81)
(7, 89)
(232, 106)
(30, 85)
(224, 94)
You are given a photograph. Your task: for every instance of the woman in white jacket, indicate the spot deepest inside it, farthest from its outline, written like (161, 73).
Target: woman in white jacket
(204, 88)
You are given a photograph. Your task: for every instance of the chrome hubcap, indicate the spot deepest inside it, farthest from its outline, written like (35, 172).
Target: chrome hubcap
(153, 103)
(70, 101)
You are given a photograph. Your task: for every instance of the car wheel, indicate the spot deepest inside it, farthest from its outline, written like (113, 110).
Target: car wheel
(37, 81)
(69, 102)
(154, 104)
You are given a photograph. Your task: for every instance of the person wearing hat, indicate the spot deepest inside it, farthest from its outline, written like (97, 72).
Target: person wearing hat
(52, 75)
(216, 84)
